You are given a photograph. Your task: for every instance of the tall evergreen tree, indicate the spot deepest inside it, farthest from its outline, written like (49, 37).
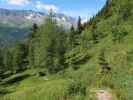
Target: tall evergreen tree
(79, 25)
(31, 44)
(33, 32)
(46, 34)
(71, 38)
(7, 59)
(60, 50)
(94, 34)
(19, 57)
(50, 57)
(1, 60)
(35, 27)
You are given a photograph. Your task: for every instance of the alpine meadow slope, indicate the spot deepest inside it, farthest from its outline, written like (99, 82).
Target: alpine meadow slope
(74, 65)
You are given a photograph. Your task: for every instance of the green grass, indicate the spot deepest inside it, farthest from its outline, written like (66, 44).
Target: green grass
(67, 85)
(80, 84)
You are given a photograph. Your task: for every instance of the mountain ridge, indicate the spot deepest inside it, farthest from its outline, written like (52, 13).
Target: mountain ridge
(16, 24)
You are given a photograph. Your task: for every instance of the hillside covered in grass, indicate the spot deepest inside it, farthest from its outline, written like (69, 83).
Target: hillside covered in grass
(74, 65)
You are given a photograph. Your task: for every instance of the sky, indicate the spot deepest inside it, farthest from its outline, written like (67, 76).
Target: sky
(74, 8)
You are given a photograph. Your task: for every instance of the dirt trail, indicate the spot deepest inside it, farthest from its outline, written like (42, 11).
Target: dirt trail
(103, 95)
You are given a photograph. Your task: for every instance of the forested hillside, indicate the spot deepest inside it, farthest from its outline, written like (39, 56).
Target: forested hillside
(55, 64)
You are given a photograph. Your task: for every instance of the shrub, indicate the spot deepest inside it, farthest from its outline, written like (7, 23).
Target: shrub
(76, 88)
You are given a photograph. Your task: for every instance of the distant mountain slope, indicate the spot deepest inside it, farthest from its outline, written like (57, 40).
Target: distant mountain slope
(15, 24)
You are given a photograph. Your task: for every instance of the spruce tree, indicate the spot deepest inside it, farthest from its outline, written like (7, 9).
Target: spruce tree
(54, 41)
(31, 44)
(1, 60)
(33, 32)
(7, 59)
(79, 25)
(47, 34)
(71, 38)
(94, 34)
(19, 57)
(50, 57)
(35, 27)
(60, 50)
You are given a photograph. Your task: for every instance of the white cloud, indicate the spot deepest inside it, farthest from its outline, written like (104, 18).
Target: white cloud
(84, 13)
(47, 7)
(85, 19)
(18, 2)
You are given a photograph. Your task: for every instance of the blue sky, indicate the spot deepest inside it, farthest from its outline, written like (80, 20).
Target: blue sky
(83, 8)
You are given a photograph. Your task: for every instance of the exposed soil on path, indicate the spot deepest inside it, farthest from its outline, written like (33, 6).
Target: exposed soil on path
(103, 95)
